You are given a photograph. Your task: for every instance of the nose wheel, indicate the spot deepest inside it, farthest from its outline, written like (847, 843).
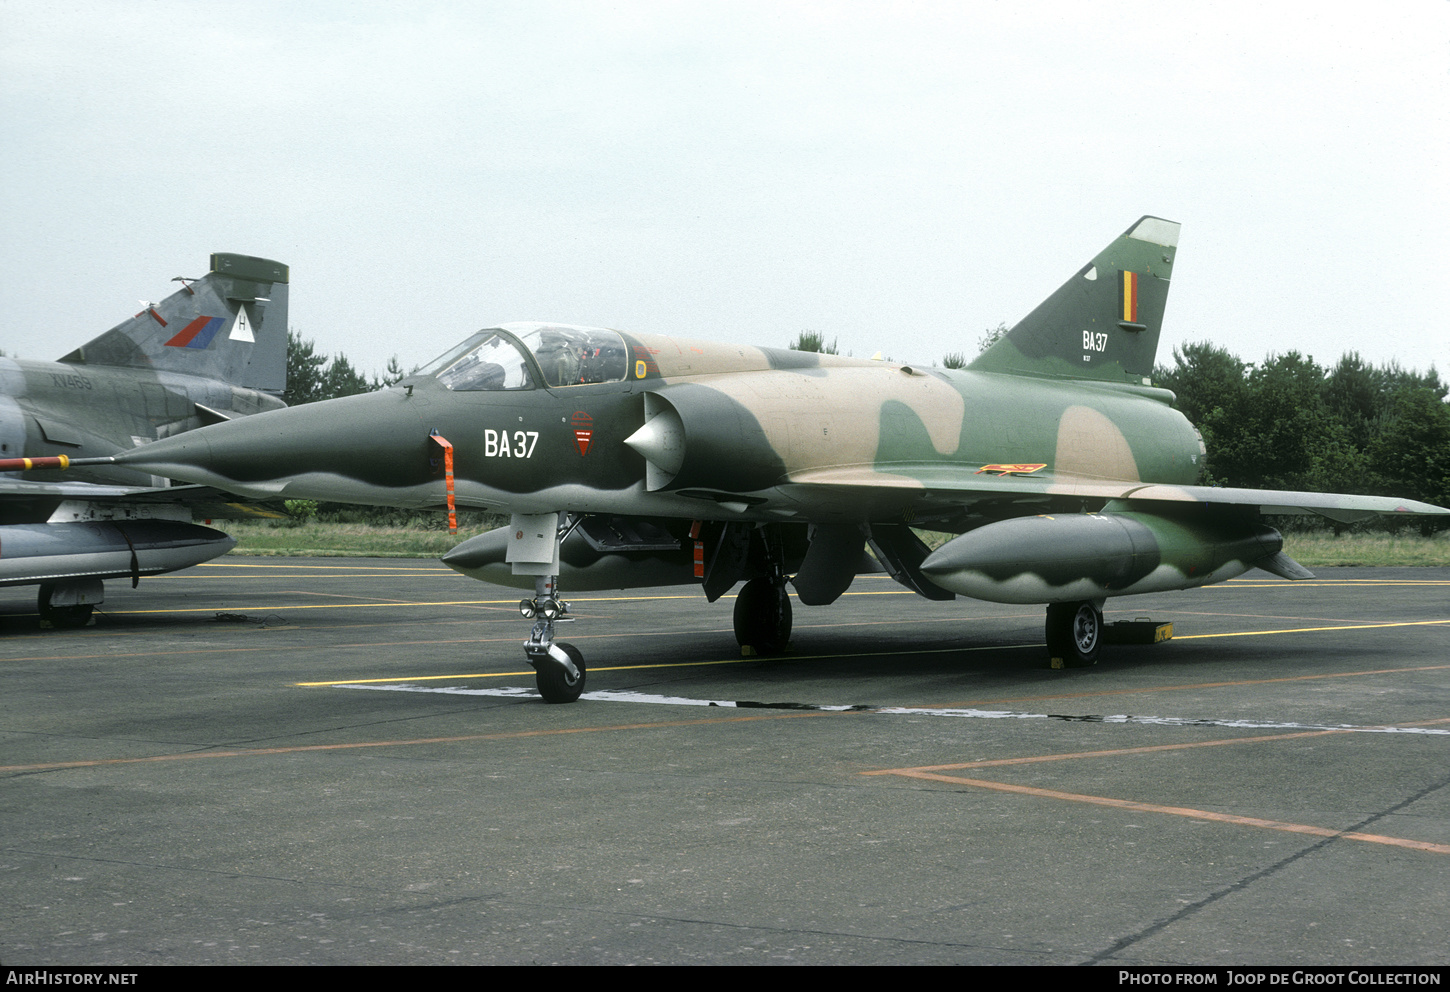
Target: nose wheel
(558, 666)
(559, 679)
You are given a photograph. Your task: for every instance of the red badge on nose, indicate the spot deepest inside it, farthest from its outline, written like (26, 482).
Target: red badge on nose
(583, 431)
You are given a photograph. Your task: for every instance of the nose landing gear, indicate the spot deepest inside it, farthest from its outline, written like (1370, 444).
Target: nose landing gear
(558, 666)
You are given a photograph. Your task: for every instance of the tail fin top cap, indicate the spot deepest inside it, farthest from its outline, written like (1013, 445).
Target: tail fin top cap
(248, 267)
(1154, 230)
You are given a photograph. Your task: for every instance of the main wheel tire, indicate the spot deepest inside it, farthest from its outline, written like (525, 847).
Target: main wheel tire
(553, 679)
(763, 616)
(65, 617)
(1074, 633)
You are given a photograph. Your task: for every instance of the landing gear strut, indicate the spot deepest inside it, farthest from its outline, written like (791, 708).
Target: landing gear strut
(763, 615)
(558, 666)
(1074, 633)
(68, 605)
(762, 610)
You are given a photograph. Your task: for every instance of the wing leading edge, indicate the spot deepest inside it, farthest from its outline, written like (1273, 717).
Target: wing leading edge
(942, 484)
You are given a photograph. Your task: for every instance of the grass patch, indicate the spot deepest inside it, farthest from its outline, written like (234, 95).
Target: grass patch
(1381, 550)
(342, 540)
(318, 539)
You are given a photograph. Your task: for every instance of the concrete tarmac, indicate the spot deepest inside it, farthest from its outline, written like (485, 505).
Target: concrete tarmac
(340, 761)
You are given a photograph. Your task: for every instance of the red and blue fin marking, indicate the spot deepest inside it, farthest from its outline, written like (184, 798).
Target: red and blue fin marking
(197, 334)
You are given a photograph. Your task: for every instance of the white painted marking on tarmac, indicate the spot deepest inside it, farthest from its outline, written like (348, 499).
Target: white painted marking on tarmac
(969, 714)
(1162, 721)
(449, 690)
(602, 695)
(617, 696)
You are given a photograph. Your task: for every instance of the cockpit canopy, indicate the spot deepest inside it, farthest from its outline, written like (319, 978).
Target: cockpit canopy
(497, 358)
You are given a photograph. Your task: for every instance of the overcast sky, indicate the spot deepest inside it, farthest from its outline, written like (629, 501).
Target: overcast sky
(900, 176)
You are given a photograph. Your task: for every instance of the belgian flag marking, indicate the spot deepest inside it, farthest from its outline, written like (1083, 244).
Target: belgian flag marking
(1128, 297)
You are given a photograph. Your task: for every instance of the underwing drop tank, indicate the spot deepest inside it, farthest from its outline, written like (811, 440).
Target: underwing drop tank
(104, 549)
(1091, 556)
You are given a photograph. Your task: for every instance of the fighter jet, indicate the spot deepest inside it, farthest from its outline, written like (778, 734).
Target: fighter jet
(214, 350)
(631, 460)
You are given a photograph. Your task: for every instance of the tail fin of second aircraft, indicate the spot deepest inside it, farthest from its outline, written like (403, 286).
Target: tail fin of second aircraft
(1104, 322)
(231, 325)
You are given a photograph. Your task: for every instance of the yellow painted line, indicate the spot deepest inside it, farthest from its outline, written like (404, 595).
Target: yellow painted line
(1322, 583)
(502, 675)
(1258, 617)
(1195, 814)
(357, 645)
(319, 606)
(392, 571)
(342, 567)
(1312, 630)
(294, 577)
(930, 651)
(514, 735)
(509, 639)
(732, 661)
(510, 603)
(682, 664)
(694, 664)
(414, 571)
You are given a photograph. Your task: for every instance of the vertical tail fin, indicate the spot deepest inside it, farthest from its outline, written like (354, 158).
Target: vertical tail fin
(1104, 322)
(231, 325)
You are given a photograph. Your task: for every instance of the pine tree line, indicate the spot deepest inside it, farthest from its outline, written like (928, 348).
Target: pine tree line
(312, 377)
(1289, 423)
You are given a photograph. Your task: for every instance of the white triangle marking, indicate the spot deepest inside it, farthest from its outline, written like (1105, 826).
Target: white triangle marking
(242, 328)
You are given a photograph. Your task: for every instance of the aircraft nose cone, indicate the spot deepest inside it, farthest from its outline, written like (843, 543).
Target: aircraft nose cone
(363, 445)
(477, 552)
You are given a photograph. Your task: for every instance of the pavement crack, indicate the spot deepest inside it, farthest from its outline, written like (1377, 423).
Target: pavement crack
(762, 927)
(1187, 911)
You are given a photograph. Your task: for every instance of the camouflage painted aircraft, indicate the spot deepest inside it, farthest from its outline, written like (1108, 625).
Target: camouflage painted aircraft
(634, 460)
(214, 350)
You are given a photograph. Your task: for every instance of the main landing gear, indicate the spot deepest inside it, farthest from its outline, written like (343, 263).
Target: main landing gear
(68, 605)
(1074, 633)
(558, 666)
(763, 616)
